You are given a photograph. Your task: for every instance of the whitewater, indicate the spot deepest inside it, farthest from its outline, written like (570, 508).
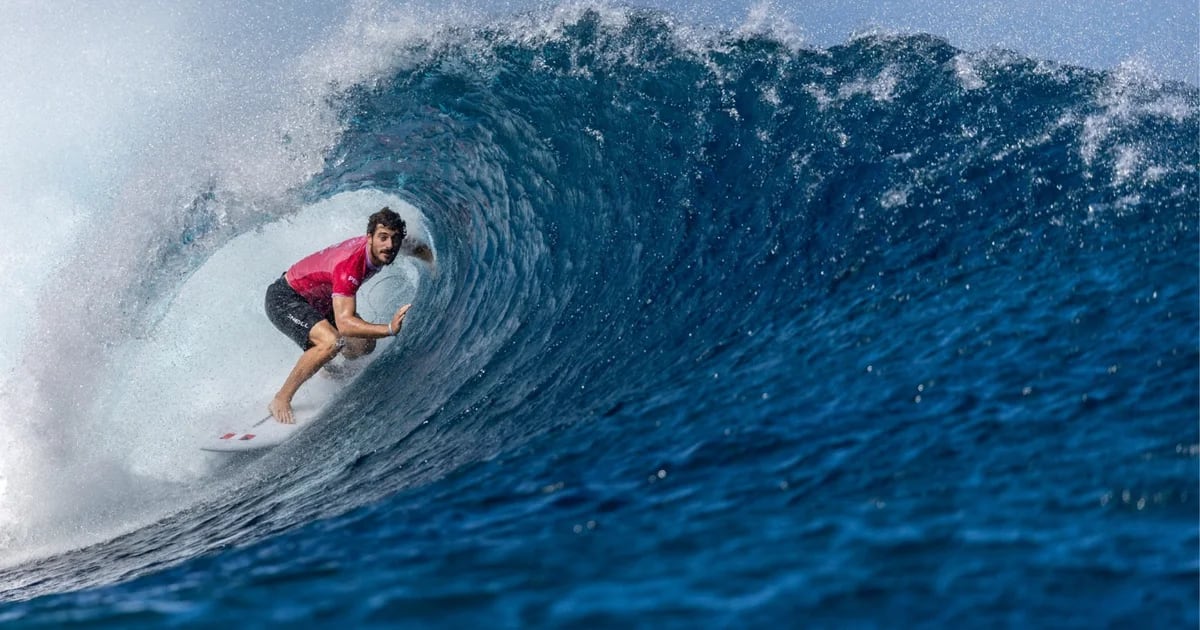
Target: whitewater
(724, 328)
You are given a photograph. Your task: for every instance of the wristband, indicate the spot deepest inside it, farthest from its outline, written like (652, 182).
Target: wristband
(393, 332)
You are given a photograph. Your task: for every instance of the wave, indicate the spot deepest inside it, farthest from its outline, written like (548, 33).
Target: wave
(637, 224)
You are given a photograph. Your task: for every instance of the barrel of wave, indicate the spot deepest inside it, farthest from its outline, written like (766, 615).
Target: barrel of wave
(214, 360)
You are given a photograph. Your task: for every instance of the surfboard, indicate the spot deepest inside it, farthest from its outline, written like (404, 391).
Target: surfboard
(261, 435)
(266, 432)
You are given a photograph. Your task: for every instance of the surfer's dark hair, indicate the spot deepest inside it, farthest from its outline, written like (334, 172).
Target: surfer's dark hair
(388, 219)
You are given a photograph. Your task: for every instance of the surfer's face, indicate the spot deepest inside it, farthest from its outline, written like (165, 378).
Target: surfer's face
(385, 242)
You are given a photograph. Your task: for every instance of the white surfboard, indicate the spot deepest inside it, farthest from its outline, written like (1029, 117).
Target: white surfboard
(267, 432)
(262, 434)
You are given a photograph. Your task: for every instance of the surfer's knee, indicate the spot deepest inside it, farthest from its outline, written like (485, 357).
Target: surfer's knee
(328, 348)
(327, 342)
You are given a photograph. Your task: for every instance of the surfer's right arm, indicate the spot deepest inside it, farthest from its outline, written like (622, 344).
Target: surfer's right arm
(349, 324)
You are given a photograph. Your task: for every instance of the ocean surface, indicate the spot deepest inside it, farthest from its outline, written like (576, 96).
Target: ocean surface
(723, 331)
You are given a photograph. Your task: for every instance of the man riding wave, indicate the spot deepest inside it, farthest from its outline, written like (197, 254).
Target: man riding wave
(313, 303)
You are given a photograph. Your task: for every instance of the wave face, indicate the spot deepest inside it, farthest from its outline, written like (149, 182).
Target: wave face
(724, 331)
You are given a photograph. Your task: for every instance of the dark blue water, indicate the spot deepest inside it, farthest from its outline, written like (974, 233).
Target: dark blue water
(732, 334)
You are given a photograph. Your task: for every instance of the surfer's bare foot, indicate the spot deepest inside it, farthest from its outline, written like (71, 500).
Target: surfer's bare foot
(282, 410)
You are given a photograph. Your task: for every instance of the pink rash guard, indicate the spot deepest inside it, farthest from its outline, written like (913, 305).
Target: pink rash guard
(336, 270)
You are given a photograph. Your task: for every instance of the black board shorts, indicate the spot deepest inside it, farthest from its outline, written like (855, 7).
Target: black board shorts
(292, 314)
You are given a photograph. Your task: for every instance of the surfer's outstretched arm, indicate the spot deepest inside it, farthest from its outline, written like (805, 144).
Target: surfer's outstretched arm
(349, 324)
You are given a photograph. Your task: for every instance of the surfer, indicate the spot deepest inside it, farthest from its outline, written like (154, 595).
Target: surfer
(313, 303)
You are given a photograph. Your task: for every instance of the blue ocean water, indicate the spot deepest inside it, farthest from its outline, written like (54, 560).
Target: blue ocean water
(728, 333)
